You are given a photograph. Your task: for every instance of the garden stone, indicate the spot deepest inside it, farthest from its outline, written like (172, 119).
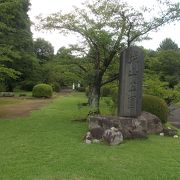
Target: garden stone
(87, 141)
(154, 125)
(88, 136)
(96, 141)
(113, 136)
(139, 134)
(175, 136)
(169, 132)
(161, 134)
(97, 133)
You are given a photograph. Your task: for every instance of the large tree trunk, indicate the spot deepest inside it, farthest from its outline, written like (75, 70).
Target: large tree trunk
(94, 97)
(94, 94)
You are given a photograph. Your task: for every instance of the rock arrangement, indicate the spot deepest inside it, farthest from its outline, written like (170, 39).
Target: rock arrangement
(113, 130)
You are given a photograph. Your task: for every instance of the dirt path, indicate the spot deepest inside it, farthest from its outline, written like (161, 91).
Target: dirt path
(21, 107)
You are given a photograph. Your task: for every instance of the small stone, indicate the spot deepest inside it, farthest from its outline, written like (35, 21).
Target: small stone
(175, 136)
(87, 141)
(96, 141)
(88, 136)
(161, 134)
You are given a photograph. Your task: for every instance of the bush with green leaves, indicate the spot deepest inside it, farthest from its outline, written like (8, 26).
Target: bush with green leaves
(108, 89)
(105, 91)
(27, 85)
(42, 90)
(153, 86)
(156, 106)
(55, 87)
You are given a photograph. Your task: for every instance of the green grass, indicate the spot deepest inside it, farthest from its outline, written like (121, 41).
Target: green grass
(48, 145)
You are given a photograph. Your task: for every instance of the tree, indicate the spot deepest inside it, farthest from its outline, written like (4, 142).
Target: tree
(43, 50)
(168, 44)
(16, 43)
(107, 27)
(168, 66)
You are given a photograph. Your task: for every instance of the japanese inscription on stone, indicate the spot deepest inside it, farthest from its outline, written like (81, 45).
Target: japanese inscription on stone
(131, 77)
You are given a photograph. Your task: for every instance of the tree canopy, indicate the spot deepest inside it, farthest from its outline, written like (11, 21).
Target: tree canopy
(16, 44)
(107, 27)
(43, 50)
(168, 44)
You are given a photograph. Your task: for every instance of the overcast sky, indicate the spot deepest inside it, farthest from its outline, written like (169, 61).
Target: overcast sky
(46, 7)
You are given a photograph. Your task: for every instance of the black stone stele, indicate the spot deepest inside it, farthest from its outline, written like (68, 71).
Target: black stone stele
(131, 77)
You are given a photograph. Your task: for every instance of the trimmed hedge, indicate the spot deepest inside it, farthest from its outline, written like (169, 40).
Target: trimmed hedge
(156, 106)
(42, 90)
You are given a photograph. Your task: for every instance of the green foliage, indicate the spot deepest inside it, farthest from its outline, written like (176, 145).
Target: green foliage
(2, 87)
(156, 106)
(107, 27)
(43, 50)
(42, 90)
(56, 87)
(27, 85)
(153, 86)
(168, 44)
(105, 91)
(16, 44)
(108, 89)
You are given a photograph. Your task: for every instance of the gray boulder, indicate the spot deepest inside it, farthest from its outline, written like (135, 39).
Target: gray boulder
(154, 125)
(97, 132)
(113, 136)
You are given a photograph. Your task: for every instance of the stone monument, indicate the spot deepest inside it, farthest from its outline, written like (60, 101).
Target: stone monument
(131, 77)
(131, 122)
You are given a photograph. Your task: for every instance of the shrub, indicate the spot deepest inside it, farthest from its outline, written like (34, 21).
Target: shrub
(156, 106)
(106, 91)
(27, 85)
(42, 90)
(2, 87)
(55, 87)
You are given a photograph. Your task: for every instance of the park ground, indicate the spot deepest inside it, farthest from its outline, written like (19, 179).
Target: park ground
(40, 139)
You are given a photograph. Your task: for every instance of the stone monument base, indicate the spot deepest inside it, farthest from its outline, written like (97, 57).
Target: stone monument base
(130, 128)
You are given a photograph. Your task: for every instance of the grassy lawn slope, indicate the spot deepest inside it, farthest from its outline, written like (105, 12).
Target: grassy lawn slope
(48, 145)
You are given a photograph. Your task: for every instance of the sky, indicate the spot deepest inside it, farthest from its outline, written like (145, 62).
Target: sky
(46, 7)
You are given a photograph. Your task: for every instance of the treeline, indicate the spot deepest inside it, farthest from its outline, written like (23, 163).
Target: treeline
(25, 62)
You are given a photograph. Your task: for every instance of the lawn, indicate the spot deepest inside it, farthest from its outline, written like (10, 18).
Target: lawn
(48, 145)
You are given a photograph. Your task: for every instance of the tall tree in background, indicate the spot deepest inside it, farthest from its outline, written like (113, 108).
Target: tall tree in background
(168, 44)
(107, 27)
(15, 40)
(43, 50)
